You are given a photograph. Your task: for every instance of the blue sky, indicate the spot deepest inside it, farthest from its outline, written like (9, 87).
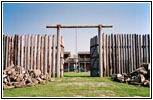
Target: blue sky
(31, 18)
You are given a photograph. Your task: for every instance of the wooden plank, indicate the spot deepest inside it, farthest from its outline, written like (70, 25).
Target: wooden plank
(116, 53)
(4, 51)
(38, 52)
(28, 52)
(94, 56)
(42, 54)
(25, 53)
(147, 60)
(16, 49)
(132, 62)
(54, 55)
(122, 39)
(111, 54)
(148, 48)
(115, 56)
(35, 53)
(129, 47)
(50, 54)
(141, 48)
(32, 43)
(46, 56)
(9, 51)
(121, 43)
(124, 47)
(105, 56)
(134, 42)
(18, 60)
(12, 50)
(108, 53)
(22, 49)
(62, 57)
(127, 52)
(137, 52)
(119, 54)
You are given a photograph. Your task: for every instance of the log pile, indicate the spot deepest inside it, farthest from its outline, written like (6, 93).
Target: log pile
(140, 76)
(17, 77)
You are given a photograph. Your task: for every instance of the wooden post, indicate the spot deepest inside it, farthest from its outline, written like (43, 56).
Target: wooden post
(28, 53)
(140, 56)
(105, 54)
(147, 60)
(123, 53)
(62, 57)
(35, 53)
(6, 59)
(100, 51)
(137, 52)
(129, 49)
(4, 51)
(46, 47)
(25, 53)
(38, 52)
(12, 50)
(32, 37)
(119, 55)
(9, 51)
(127, 52)
(122, 40)
(148, 48)
(54, 55)
(50, 54)
(115, 58)
(42, 54)
(111, 54)
(108, 57)
(22, 49)
(116, 53)
(18, 60)
(85, 63)
(58, 50)
(132, 53)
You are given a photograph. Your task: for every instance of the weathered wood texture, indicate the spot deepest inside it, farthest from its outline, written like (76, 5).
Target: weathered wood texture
(33, 52)
(122, 53)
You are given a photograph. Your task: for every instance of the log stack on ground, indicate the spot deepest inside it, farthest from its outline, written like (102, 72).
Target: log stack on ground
(140, 76)
(17, 77)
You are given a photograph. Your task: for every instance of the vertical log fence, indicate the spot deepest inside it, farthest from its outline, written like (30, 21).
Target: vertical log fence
(121, 53)
(33, 52)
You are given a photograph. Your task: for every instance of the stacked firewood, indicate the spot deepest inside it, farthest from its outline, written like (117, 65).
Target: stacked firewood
(17, 77)
(140, 76)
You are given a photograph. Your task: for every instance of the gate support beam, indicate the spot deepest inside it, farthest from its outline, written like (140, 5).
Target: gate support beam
(100, 51)
(58, 49)
(79, 26)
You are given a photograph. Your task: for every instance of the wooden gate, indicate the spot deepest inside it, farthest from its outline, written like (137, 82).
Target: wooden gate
(94, 56)
(121, 53)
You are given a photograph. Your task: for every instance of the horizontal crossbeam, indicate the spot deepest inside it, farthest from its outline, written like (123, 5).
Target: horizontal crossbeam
(78, 26)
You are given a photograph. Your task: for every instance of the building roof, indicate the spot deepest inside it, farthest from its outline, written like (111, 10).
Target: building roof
(67, 53)
(84, 52)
